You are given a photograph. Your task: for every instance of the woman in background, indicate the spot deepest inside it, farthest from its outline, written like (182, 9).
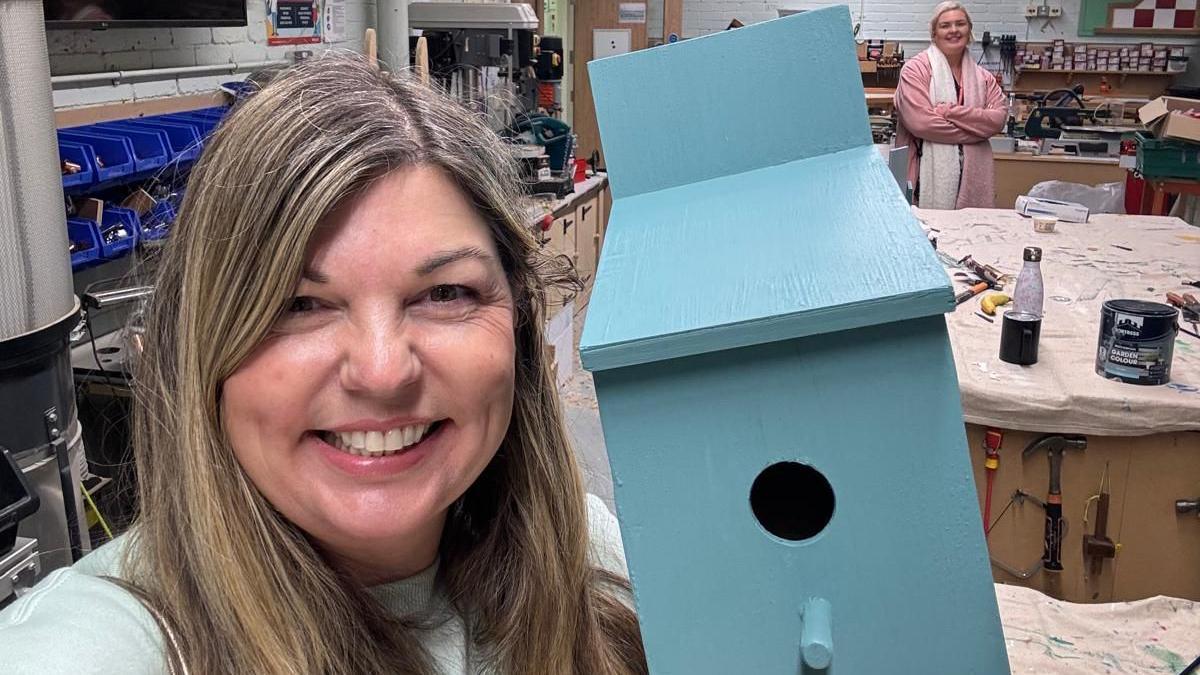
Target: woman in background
(948, 108)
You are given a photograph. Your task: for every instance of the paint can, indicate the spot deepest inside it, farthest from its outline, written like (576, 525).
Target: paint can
(1137, 341)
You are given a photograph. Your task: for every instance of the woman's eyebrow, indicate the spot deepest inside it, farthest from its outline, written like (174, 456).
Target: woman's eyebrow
(448, 257)
(314, 276)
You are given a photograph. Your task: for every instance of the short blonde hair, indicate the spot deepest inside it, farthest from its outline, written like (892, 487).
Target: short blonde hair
(948, 6)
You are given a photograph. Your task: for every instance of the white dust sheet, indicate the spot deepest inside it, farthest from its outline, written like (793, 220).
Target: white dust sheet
(1051, 637)
(1083, 265)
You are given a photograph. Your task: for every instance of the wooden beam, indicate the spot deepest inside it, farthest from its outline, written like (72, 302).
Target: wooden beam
(73, 117)
(672, 18)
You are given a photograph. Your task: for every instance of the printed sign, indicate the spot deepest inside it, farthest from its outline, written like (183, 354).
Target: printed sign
(631, 12)
(293, 22)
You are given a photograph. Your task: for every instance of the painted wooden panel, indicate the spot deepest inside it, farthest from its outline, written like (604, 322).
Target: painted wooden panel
(725, 103)
(903, 561)
(817, 245)
(766, 300)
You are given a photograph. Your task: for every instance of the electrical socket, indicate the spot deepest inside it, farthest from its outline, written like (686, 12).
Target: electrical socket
(1055, 11)
(1031, 11)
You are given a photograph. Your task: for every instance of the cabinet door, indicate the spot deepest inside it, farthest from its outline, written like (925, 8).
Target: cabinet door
(587, 239)
(562, 242)
(562, 235)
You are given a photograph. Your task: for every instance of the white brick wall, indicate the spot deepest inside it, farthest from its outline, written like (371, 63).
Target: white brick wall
(74, 52)
(908, 21)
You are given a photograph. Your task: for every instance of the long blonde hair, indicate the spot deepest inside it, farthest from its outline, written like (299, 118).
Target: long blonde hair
(243, 587)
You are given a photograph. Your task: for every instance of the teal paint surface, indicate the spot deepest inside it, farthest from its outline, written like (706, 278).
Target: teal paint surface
(813, 246)
(765, 295)
(902, 563)
(766, 94)
(749, 204)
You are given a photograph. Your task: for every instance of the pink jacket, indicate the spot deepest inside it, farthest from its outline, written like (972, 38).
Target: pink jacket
(970, 125)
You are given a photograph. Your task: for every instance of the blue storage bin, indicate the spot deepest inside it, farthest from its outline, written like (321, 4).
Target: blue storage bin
(115, 154)
(84, 237)
(184, 138)
(216, 113)
(84, 157)
(203, 123)
(151, 147)
(119, 232)
(94, 136)
(157, 223)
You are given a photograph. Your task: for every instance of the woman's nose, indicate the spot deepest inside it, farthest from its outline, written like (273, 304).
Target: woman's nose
(380, 358)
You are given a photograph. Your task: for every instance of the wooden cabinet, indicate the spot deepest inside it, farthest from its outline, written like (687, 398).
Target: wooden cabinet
(561, 241)
(587, 241)
(1016, 173)
(1158, 549)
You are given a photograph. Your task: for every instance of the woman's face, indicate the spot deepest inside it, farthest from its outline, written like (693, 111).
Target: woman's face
(951, 32)
(387, 385)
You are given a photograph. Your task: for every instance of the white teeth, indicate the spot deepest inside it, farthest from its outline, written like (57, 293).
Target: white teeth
(374, 441)
(377, 443)
(394, 440)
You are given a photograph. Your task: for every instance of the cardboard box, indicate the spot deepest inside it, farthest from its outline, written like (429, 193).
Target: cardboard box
(1160, 116)
(1065, 211)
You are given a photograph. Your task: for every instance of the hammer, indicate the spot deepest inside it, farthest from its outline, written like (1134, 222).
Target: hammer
(1054, 444)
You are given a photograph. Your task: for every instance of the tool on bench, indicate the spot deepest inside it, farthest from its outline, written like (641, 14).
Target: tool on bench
(993, 276)
(1097, 546)
(989, 277)
(970, 292)
(1054, 445)
(1188, 303)
(1189, 311)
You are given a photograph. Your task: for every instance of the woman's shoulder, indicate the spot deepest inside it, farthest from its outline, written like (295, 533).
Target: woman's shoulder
(917, 65)
(77, 621)
(604, 534)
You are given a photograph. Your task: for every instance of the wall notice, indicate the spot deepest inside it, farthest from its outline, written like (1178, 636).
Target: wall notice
(294, 22)
(631, 12)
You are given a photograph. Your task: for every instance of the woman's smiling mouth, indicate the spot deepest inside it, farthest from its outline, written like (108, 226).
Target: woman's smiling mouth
(379, 443)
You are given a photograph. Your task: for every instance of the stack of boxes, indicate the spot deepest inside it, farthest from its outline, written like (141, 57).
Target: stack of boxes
(1146, 57)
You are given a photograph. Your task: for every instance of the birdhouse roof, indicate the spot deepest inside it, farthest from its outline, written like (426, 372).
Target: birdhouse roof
(749, 205)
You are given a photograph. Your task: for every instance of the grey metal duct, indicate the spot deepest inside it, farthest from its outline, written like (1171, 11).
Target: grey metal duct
(35, 267)
(391, 23)
(38, 307)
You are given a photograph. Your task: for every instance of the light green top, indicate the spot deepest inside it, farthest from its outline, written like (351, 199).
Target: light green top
(74, 622)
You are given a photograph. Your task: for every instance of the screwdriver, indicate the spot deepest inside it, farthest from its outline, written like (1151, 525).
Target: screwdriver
(970, 292)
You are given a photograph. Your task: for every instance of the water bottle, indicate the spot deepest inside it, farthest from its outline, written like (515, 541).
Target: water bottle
(1021, 328)
(1028, 297)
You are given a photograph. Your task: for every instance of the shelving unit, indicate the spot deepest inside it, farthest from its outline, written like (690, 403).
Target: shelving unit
(113, 158)
(1127, 83)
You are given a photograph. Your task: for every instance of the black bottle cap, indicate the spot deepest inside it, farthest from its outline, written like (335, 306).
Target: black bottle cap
(1033, 254)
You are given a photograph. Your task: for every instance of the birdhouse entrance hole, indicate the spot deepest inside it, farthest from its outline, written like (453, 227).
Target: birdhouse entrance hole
(792, 501)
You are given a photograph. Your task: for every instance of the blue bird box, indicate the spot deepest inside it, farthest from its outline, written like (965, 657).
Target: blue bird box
(776, 386)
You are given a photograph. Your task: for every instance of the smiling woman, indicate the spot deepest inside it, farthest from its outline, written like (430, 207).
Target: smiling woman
(351, 454)
(948, 108)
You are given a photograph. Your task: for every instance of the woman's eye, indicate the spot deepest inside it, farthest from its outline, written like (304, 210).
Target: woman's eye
(301, 304)
(448, 293)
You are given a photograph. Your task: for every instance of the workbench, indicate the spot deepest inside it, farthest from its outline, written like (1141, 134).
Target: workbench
(1017, 172)
(1145, 436)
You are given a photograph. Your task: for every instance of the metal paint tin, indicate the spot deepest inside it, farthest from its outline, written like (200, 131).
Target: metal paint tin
(1137, 341)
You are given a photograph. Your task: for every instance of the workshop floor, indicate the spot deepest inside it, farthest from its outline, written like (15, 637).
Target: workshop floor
(582, 414)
